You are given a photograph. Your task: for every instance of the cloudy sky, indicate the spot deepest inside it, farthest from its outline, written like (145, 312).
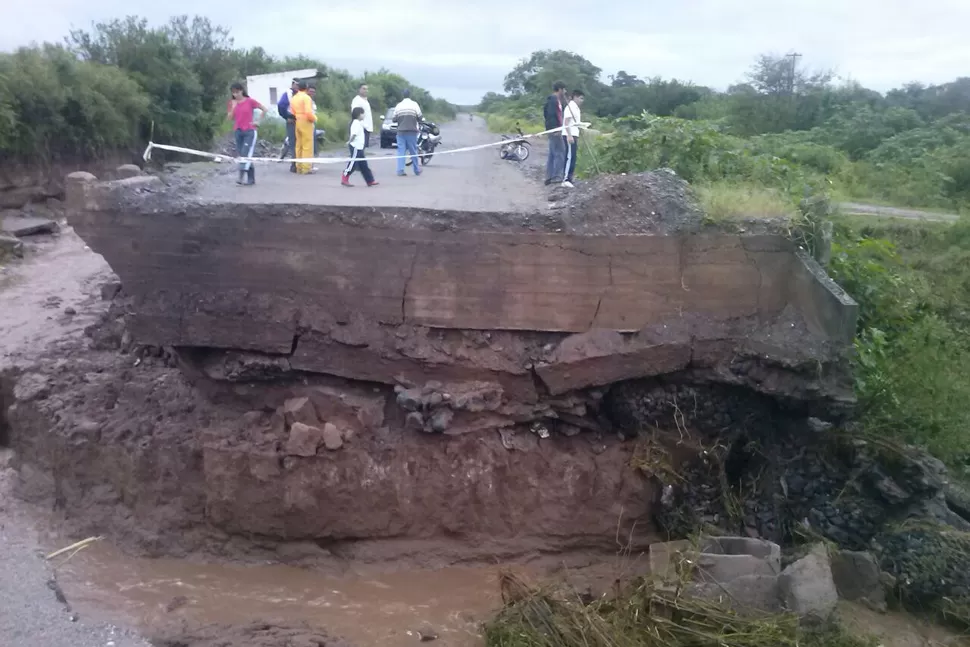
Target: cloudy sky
(460, 50)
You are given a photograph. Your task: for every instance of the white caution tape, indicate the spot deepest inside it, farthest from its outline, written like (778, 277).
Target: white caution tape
(334, 160)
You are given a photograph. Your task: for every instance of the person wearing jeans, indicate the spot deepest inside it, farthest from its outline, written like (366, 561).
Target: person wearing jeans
(241, 110)
(552, 114)
(283, 107)
(408, 116)
(570, 136)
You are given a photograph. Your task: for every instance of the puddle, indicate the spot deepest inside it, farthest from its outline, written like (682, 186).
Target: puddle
(368, 610)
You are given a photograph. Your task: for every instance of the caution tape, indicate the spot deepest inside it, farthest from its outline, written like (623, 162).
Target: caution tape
(334, 160)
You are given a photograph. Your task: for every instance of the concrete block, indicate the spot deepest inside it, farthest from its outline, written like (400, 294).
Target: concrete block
(807, 587)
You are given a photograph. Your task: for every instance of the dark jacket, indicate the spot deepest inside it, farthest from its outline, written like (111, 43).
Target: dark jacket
(283, 106)
(552, 112)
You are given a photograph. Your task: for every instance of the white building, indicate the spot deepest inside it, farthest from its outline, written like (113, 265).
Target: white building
(268, 88)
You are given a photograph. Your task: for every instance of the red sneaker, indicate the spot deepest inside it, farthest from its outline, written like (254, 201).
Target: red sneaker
(345, 181)
(374, 183)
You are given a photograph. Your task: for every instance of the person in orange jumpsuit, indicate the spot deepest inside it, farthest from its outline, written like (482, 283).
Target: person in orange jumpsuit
(301, 105)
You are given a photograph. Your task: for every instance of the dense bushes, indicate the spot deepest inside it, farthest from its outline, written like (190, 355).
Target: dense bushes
(54, 105)
(912, 283)
(110, 85)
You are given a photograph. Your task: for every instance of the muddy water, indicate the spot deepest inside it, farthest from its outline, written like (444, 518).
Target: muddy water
(367, 610)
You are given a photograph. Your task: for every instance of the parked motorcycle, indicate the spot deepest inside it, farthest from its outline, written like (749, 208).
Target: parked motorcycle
(428, 139)
(515, 149)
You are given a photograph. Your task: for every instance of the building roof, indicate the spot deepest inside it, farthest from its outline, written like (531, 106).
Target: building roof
(308, 73)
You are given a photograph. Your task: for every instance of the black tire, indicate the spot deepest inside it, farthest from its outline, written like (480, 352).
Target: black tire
(425, 159)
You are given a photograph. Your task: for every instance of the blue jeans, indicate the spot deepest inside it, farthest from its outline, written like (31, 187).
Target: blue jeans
(556, 162)
(408, 142)
(245, 145)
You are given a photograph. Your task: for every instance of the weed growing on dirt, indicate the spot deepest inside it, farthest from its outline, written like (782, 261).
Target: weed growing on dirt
(726, 201)
(645, 614)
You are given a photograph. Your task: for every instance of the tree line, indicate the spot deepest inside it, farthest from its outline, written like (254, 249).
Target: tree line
(104, 88)
(910, 145)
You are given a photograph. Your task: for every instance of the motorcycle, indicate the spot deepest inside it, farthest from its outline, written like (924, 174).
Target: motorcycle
(319, 137)
(429, 137)
(516, 149)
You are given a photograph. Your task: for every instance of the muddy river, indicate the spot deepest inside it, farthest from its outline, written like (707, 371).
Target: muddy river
(366, 609)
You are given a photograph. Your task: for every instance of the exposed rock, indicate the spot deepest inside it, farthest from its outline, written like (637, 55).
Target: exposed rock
(807, 587)
(21, 226)
(69, 311)
(81, 176)
(930, 563)
(858, 578)
(31, 386)
(10, 246)
(127, 170)
(414, 422)
(332, 438)
(300, 410)
(110, 290)
(303, 440)
(440, 420)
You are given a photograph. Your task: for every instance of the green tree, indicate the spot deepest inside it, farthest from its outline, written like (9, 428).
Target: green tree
(160, 67)
(536, 74)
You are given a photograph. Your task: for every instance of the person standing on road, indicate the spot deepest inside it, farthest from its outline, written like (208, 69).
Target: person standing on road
(356, 144)
(552, 113)
(302, 108)
(570, 136)
(283, 107)
(241, 109)
(408, 116)
(312, 91)
(361, 101)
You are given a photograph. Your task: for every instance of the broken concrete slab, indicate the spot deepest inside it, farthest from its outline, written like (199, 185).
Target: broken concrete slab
(601, 357)
(858, 577)
(807, 587)
(747, 595)
(21, 226)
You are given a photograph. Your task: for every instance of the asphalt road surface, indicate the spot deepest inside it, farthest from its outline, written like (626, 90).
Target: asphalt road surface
(471, 181)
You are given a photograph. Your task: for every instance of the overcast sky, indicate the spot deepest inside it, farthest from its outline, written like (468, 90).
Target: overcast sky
(460, 50)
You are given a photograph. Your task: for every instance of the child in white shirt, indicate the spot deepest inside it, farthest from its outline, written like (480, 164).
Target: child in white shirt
(356, 143)
(570, 120)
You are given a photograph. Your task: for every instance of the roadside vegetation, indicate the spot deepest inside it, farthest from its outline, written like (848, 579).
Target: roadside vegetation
(787, 142)
(782, 128)
(101, 90)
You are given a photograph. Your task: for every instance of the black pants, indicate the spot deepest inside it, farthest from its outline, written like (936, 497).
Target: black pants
(358, 162)
(571, 150)
(366, 138)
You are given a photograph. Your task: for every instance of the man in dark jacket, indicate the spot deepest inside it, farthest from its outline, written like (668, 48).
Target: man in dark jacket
(552, 112)
(283, 107)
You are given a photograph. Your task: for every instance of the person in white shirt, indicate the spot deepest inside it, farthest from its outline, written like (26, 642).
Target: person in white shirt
(360, 101)
(570, 120)
(358, 137)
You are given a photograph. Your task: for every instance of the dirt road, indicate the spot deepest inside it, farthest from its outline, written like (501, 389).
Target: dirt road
(472, 181)
(858, 208)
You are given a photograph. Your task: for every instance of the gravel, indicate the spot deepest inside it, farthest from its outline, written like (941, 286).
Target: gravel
(30, 612)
